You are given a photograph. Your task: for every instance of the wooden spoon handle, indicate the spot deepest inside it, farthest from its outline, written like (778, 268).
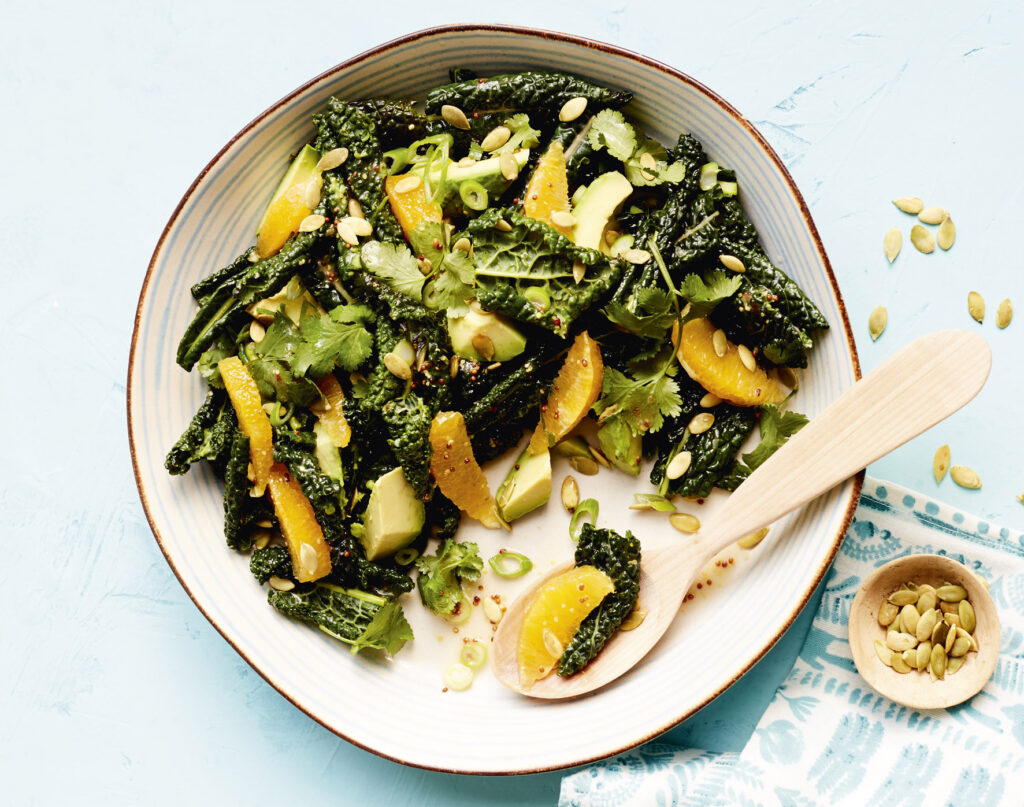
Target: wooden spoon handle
(909, 392)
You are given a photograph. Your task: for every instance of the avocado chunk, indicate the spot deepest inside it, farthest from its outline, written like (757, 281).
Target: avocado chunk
(394, 516)
(481, 330)
(597, 206)
(618, 443)
(527, 486)
(487, 173)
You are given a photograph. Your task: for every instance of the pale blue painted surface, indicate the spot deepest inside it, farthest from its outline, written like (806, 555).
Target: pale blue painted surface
(113, 686)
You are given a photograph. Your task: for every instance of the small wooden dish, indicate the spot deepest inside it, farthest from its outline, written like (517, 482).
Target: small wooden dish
(916, 689)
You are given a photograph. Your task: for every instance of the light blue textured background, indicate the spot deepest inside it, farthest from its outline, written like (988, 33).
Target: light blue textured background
(113, 686)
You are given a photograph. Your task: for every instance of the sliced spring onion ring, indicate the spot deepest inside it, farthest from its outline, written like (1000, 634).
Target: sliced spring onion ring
(652, 501)
(587, 509)
(510, 564)
(458, 677)
(473, 195)
(536, 296)
(463, 611)
(473, 655)
(395, 160)
(403, 557)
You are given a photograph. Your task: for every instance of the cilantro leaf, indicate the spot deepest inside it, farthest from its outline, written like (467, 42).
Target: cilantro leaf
(282, 340)
(703, 295)
(395, 265)
(776, 429)
(454, 272)
(653, 174)
(609, 130)
(653, 316)
(332, 340)
(389, 630)
(441, 575)
(643, 401)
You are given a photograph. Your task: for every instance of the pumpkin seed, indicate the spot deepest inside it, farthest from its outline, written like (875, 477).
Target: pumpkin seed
(924, 653)
(903, 597)
(949, 607)
(579, 271)
(788, 377)
(261, 540)
(899, 664)
(968, 620)
(572, 109)
(961, 633)
(426, 267)
(355, 209)
(720, 343)
(563, 218)
(463, 245)
(1004, 313)
(503, 225)
(897, 624)
(455, 117)
(311, 198)
(910, 618)
(939, 633)
(466, 162)
(938, 661)
(909, 204)
(710, 400)
(398, 366)
(570, 493)
(954, 664)
(584, 465)
(976, 306)
(453, 367)
(256, 332)
(733, 263)
(877, 322)
(359, 226)
(684, 522)
(746, 357)
(346, 233)
(496, 138)
(940, 464)
(332, 159)
(922, 240)
(899, 641)
(926, 602)
(492, 611)
(752, 540)
(408, 183)
(933, 214)
(950, 592)
(893, 242)
(611, 236)
(483, 345)
(509, 166)
(678, 465)
(883, 652)
(701, 423)
(950, 639)
(953, 620)
(280, 583)
(600, 457)
(960, 647)
(311, 223)
(636, 256)
(647, 161)
(965, 477)
(947, 233)
(887, 614)
(910, 658)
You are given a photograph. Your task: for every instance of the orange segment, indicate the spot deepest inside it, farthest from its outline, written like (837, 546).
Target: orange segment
(725, 376)
(252, 420)
(576, 387)
(412, 206)
(330, 412)
(548, 191)
(287, 208)
(554, 616)
(456, 470)
(311, 557)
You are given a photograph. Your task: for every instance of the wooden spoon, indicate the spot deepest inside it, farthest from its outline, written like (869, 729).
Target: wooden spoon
(916, 689)
(909, 392)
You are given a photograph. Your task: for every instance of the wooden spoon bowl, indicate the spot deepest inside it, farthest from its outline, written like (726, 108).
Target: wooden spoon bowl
(916, 689)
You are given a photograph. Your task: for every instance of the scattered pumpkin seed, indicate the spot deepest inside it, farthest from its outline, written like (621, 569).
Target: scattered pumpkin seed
(636, 256)
(355, 209)
(976, 306)
(922, 240)
(910, 657)
(509, 166)
(492, 611)
(947, 233)
(579, 271)
(332, 159)
(938, 661)
(496, 138)
(426, 267)
(732, 263)
(684, 522)
(311, 198)
(720, 343)
(483, 345)
(933, 214)
(899, 663)
(359, 226)
(256, 332)
(968, 620)
(572, 109)
(883, 652)
(710, 400)
(903, 597)
(893, 242)
(940, 464)
(887, 614)
(678, 465)
(752, 540)
(503, 225)
(600, 457)
(1004, 313)
(311, 223)
(261, 540)
(965, 477)
(611, 236)
(466, 162)
(398, 366)
(584, 465)
(910, 618)
(281, 583)
(877, 321)
(700, 423)
(346, 233)
(563, 218)
(570, 493)
(909, 204)
(463, 245)
(746, 357)
(408, 183)
(455, 117)
(954, 664)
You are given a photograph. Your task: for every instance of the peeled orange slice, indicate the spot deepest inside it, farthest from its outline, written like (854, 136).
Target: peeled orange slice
(576, 387)
(554, 616)
(252, 420)
(456, 470)
(548, 191)
(411, 207)
(330, 412)
(726, 376)
(311, 556)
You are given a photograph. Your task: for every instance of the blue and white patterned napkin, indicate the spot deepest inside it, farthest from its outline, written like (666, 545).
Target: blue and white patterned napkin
(827, 738)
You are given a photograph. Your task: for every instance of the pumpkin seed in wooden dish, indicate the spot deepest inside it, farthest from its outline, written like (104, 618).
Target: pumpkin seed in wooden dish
(930, 664)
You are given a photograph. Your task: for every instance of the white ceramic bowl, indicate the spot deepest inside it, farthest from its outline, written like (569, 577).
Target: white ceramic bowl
(398, 709)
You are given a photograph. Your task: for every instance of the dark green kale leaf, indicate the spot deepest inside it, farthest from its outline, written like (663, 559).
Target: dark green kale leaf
(383, 385)
(533, 258)
(617, 556)
(236, 494)
(229, 273)
(441, 575)
(296, 451)
(207, 437)
(316, 278)
(397, 122)
(408, 422)
(752, 317)
(527, 91)
(271, 561)
(358, 618)
(776, 428)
